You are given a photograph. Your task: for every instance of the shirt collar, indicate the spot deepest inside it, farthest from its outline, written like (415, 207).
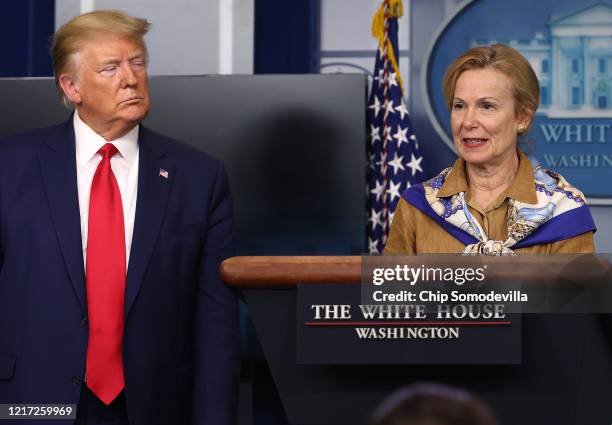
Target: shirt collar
(88, 142)
(522, 188)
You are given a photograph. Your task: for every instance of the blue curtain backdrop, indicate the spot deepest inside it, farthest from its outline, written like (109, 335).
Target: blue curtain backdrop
(26, 27)
(286, 36)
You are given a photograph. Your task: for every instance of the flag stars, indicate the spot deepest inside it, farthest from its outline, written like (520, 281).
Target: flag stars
(375, 218)
(415, 164)
(378, 190)
(402, 109)
(381, 77)
(414, 139)
(393, 190)
(374, 133)
(400, 135)
(388, 107)
(397, 164)
(371, 163)
(373, 246)
(392, 79)
(376, 106)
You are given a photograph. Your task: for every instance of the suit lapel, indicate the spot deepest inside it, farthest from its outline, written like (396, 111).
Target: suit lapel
(153, 190)
(58, 166)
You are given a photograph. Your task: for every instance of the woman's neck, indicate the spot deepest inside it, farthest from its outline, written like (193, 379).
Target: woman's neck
(488, 182)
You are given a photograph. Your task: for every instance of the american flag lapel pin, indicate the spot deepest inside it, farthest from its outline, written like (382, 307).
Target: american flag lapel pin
(163, 173)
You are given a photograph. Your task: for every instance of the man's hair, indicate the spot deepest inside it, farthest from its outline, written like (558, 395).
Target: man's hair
(432, 404)
(525, 85)
(71, 37)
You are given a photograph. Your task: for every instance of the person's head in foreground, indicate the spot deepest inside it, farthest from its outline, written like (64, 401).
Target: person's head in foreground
(493, 200)
(432, 404)
(100, 62)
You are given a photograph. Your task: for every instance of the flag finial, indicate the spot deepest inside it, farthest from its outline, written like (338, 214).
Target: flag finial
(395, 10)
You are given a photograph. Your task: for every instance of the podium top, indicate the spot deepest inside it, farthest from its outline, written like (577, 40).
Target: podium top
(283, 272)
(280, 272)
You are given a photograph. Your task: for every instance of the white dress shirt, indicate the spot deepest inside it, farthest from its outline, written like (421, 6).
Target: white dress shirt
(125, 168)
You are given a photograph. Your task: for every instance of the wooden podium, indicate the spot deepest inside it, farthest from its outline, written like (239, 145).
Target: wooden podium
(565, 376)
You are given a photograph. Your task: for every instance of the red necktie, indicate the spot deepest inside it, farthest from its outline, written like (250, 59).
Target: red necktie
(105, 281)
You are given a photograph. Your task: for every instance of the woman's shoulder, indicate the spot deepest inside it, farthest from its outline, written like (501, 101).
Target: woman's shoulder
(433, 184)
(551, 183)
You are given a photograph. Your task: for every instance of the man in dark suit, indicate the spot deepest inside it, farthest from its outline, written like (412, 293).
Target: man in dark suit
(110, 241)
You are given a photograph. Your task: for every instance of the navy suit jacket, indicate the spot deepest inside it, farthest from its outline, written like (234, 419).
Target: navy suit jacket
(181, 339)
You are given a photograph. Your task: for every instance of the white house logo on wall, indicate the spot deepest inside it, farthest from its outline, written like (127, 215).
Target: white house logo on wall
(569, 45)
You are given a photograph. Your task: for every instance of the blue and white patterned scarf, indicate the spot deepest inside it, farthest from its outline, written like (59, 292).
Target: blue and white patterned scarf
(559, 213)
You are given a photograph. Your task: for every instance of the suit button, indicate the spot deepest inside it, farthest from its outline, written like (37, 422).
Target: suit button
(84, 321)
(76, 380)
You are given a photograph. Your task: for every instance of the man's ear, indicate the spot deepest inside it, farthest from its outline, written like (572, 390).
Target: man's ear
(70, 88)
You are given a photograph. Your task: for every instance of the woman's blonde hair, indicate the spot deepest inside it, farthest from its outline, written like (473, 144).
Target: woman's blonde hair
(70, 38)
(525, 84)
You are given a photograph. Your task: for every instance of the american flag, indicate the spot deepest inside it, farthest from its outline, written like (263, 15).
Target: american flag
(393, 151)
